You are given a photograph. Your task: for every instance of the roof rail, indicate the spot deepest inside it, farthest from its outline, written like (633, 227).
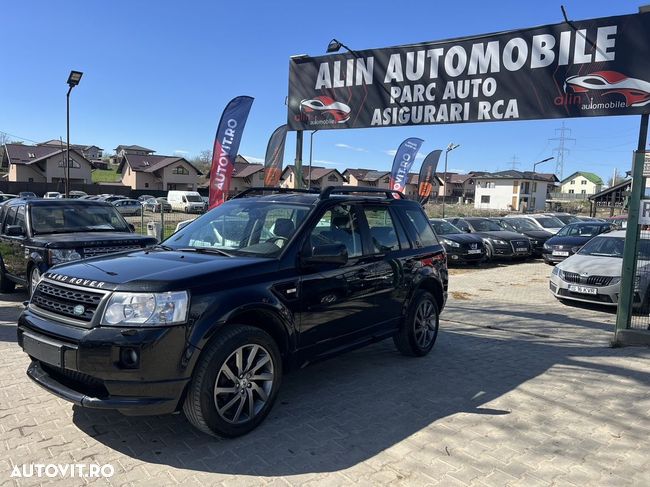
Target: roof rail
(329, 190)
(271, 189)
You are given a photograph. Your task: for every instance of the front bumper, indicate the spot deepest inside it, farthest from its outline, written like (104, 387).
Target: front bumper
(605, 295)
(456, 255)
(87, 368)
(548, 256)
(507, 252)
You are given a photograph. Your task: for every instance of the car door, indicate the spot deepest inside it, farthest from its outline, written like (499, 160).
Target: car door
(12, 243)
(5, 242)
(334, 300)
(19, 260)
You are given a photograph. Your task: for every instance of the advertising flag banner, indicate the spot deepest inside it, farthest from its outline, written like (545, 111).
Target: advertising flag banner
(274, 157)
(427, 173)
(226, 144)
(404, 159)
(584, 68)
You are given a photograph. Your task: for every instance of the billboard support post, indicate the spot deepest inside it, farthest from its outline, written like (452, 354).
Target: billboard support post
(298, 162)
(624, 312)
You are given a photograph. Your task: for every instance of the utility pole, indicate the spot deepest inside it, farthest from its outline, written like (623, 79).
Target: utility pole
(561, 150)
(514, 162)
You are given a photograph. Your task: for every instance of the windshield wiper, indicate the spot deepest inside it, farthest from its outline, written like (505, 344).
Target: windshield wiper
(204, 250)
(164, 247)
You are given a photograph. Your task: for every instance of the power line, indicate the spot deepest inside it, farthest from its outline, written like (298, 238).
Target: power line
(561, 149)
(17, 137)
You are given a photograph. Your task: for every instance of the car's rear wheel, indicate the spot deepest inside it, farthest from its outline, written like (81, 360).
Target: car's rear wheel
(419, 331)
(235, 382)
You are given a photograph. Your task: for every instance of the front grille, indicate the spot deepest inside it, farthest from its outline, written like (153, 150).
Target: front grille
(518, 244)
(94, 251)
(589, 280)
(471, 246)
(62, 300)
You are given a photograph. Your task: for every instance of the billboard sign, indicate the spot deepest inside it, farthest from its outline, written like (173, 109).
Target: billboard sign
(593, 67)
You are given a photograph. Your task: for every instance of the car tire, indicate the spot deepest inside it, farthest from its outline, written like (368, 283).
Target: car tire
(220, 367)
(419, 331)
(34, 277)
(488, 253)
(6, 284)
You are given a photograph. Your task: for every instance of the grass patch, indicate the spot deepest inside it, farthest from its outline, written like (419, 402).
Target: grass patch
(106, 176)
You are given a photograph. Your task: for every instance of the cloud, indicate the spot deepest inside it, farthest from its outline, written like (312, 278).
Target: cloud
(346, 146)
(327, 163)
(178, 151)
(253, 159)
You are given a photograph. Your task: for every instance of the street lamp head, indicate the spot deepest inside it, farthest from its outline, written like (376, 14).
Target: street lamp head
(74, 78)
(334, 46)
(452, 146)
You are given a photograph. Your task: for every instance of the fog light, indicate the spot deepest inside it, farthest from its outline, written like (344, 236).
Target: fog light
(129, 358)
(454, 257)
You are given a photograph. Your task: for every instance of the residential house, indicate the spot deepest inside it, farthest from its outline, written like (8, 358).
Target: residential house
(158, 172)
(44, 164)
(246, 175)
(581, 182)
(367, 177)
(459, 186)
(511, 190)
(90, 152)
(317, 177)
(412, 185)
(136, 150)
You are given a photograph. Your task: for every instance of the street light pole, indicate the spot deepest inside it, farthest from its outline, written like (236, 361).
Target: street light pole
(73, 80)
(450, 148)
(311, 146)
(545, 160)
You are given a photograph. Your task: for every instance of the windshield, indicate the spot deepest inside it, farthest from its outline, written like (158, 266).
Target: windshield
(442, 227)
(549, 222)
(76, 218)
(521, 224)
(193, 198)
(580, 231)
(566, 219)
(604, 247)
(485, 226)
(243, 227)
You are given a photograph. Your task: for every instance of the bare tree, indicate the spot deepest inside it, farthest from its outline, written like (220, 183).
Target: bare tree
(203, 161)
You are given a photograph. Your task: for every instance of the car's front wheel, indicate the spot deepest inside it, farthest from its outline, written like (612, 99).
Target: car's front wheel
(235, 382)
(34, 279)
(419, 330)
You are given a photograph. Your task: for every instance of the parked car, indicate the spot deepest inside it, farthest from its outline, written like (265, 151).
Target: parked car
(590, 219)
(39, 233)
(593, 274)
(128, 207)
(76, 194)
(499, 243)
(209, 321)
(620, 221)
(565, 218)
(524, 226)
(543, 222)
(27, 194)
(571, 238)
(155, 204)
(460, 246)
(110, 198)
(187, 201)
(5, 197)
(51, 195)
(144, 197)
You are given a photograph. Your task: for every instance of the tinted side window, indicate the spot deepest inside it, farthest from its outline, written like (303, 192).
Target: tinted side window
(420, 225)
(338, 225)
(11, 214)
(20, 218)
(382, 230)
(462, 225)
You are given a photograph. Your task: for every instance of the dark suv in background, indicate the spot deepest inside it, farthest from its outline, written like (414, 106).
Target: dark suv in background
(460, 246)
(525, 227)
(36, 234)
(209, 320)
(499, 243)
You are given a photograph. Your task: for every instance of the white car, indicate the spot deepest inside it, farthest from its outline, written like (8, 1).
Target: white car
(52, 195)
(593, 274)
(543, 222)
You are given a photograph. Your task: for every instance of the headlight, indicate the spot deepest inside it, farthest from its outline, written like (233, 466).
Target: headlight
(558, 272)
(58, 256)
(547, 246)
(451, 243)
(575, 249)
(499, 242)
(146, 309)
(615, 280)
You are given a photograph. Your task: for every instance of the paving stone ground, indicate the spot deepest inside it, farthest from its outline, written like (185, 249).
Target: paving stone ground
(519, 390)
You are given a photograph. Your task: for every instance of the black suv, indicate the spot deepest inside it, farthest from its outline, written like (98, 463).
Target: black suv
(499, 243)
(209, 320)
(36, 234)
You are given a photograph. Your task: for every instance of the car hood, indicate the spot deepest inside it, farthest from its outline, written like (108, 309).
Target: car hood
(592, 265)
(570, 241)
(537, 234)
(462, 237)
(160, 270)
(91, 239)
(502, 235)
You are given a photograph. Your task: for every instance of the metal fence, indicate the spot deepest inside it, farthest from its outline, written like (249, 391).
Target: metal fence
(640, 318)
(163, 222)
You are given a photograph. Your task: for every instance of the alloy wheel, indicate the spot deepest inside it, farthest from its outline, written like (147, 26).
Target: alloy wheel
(425, 323)
(34, 278)
(244, 384)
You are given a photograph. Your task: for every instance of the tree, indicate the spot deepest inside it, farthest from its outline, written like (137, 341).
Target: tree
(203, 161)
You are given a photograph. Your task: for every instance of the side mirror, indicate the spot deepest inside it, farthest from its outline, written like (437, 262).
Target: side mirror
(132, 227)
(15, 231)
(336, 254)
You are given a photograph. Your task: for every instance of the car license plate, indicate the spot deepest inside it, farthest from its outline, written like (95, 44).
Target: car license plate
(561, 253)
(45, 351)
(522, 249)
(474, 251)
(583, 289)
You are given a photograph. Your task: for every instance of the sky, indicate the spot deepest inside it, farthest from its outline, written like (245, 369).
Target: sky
(158, 74)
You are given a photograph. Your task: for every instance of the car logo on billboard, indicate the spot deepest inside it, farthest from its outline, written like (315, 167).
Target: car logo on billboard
(635, 91)
(324, 110)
